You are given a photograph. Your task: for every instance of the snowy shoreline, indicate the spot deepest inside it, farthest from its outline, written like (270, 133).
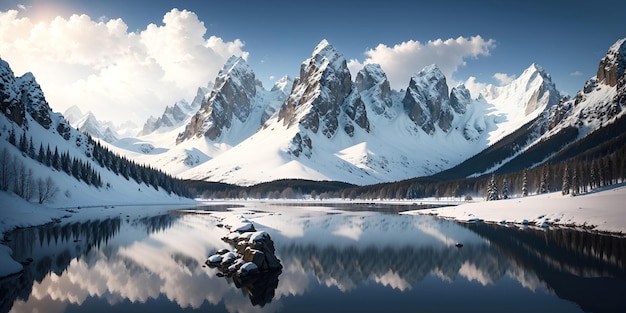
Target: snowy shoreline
(602, 210)
(16, 212)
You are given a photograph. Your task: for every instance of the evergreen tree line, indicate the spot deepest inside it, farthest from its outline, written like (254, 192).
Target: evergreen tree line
(572, 176)
(60, 161)
(84, 171)
(131, 170)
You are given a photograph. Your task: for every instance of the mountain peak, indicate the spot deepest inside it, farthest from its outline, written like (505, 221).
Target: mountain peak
(325, 52)
(284, 84)
(324, 45)
(426, 100)
(232, 97)
(613, 65)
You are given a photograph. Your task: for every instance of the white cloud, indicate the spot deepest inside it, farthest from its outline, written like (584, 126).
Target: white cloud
(474, 86)
(576, 73)
(101, 66)
(503, 79)
(403, 60)
(21, 7)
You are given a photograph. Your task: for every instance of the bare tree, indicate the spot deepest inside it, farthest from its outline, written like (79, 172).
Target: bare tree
(47, 189)
(28, 185)
(19, 177)
(5, 169)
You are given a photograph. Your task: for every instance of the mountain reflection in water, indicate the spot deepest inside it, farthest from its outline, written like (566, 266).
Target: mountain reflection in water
(364, 261)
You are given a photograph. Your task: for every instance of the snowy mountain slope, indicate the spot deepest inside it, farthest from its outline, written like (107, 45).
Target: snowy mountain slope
(28, 127)
(105, 130)
(600, 103)
(363, 132)
(187, 143)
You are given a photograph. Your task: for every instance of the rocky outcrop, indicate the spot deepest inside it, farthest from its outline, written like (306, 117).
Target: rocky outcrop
(34, 100)
(279, 92)
(173, 115)
(253, 251)
(318, 93)
(427, 100)
(459, 99)
(22, 95)
(323, 98)
(612, 66)
(372, 82)
(235, 90)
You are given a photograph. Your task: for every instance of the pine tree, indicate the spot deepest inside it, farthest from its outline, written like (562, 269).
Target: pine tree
(31, 148)
(23, 143)
(575, 184)
(505, 189)
(48, 159)
(41, 155)
(524, 184)
(56, 159)
(565, 188)
(544, 186)
(546, 178)
(12, 137)
(492, 189)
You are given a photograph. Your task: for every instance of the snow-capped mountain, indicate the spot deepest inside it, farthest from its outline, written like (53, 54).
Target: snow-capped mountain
(331, 128)
(325, 125)
(558, 128)
(217, 112)
(105, 130)
(176, 114)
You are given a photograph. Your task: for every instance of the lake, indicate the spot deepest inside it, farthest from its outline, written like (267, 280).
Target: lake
(343, 259)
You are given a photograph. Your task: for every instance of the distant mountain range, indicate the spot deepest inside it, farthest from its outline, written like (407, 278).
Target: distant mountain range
(327, 125)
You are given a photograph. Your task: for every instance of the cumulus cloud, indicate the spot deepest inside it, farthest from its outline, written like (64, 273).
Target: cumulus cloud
(403, 60)
(119, 75)
(503, 79)
(474, 86)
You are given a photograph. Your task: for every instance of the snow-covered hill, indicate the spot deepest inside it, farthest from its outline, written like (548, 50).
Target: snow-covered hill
(41, 154)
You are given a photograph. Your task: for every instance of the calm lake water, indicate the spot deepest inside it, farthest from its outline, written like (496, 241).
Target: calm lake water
(333, 261)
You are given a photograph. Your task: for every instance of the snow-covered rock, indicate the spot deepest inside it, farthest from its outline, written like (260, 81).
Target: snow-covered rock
(233, 98)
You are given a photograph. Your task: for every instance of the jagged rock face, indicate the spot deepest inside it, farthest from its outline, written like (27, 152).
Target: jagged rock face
(459, 99)
(235, 90)
(427, 101)
(612, 66)
(322, 99)
(10, 102)
(372, 80)
(34, 100)
(281, 90)
(19, 95)
(173, 115)
(355, 112)
(321, 89)
(301, 146)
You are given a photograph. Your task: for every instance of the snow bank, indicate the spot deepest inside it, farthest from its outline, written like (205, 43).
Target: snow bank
(8, 266)
(602, 210)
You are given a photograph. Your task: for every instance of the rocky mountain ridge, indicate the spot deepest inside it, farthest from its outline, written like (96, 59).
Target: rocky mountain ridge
(325, 125)
(362, 131)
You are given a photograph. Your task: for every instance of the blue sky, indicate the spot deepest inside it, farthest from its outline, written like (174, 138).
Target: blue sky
(104, 56)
